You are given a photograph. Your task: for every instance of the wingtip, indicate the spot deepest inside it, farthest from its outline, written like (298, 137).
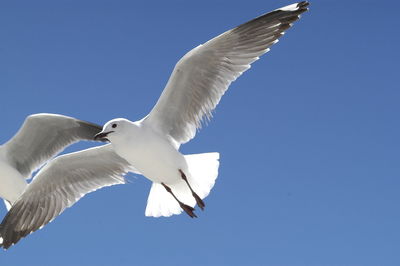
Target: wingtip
(91, 129)
(303, 4)
(90, 124)
(294, 9)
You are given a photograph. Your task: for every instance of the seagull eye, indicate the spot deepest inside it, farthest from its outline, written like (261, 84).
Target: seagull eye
(114, 125)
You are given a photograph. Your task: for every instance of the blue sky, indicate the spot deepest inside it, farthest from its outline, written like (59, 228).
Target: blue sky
(309, 136)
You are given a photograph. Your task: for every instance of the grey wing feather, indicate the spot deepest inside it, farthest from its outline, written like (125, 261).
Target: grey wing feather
(57, 186)
(203, 75)
(42, 136)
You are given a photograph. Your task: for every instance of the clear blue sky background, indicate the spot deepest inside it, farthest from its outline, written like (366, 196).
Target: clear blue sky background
(309, 137)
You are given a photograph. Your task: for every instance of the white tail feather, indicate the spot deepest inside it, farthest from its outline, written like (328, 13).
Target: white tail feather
(203, 170)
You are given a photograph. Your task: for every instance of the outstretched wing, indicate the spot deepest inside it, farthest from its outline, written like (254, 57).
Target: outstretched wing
(57, 186)
(202, 76)
(42, 136)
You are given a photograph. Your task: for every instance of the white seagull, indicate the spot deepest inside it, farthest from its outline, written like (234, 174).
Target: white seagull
(196, 85)
(61, 182)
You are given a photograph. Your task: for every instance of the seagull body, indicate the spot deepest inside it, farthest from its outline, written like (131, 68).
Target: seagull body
(60, 182)
(196, 85)
(154, 156)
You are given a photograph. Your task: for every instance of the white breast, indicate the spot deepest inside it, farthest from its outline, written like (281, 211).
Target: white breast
(151, 154)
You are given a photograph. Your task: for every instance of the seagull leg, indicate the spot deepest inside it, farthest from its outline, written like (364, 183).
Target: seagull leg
(199, 201)
(189, 210)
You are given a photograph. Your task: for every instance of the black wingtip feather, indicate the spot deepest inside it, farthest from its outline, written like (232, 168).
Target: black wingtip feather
(303, 4)
(7, 243)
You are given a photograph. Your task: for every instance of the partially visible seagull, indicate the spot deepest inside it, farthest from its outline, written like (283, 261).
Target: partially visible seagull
(41, 137)
(196, 85)
(57, 185)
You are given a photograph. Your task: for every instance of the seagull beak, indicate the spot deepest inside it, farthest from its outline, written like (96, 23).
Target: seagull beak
(102, 136)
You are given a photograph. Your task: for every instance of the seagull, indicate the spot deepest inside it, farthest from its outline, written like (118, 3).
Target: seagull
(58, 184)
(196, 85)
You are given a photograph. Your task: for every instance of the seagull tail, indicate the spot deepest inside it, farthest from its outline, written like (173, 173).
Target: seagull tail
(203, 168)
(203, 171)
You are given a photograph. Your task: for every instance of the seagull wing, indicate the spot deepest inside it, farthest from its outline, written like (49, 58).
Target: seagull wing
(42, 136)
(202, 76)
(57, 186)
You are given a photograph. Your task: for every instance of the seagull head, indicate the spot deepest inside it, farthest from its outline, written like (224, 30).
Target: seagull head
(111, 129)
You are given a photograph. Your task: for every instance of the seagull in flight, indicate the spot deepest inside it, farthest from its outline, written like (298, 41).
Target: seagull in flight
(196, 85)
(58, 184)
